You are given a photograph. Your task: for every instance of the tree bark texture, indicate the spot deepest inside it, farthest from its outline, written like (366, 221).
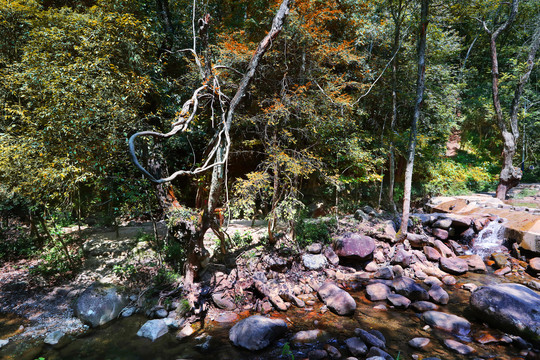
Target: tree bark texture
(420, 85)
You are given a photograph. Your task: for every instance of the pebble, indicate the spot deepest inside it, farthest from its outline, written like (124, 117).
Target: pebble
(419, 342)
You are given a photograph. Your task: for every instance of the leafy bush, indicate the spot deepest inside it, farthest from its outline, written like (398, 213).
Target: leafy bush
(54, 261)
(242, 240)
(309, 231)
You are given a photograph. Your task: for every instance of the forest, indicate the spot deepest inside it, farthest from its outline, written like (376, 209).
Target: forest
(190, 116)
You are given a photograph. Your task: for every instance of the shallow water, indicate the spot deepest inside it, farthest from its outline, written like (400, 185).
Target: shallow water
(118, 341)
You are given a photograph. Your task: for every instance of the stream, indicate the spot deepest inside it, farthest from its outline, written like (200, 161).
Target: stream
(118, 340)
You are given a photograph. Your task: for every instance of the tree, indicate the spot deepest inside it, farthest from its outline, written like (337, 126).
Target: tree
(420, 85)
(510, 175)
(219, 148)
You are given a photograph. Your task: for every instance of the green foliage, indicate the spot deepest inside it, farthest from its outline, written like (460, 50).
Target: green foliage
(54, 262)
(242, 240)
(165, 277)
(309, 231)
(526, 193)
(286, 351)
(17, 244)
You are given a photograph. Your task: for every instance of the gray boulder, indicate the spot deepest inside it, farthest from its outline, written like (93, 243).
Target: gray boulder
(331, 256)
(509, 307)
(99, 304)
(54, 337)
(314, 261)
(337, 300)
(377, 292)
(356, 346)
(153, 329)
(256, 332)
(354, 246)
(447, 322)
(439, 295)
(370, 339)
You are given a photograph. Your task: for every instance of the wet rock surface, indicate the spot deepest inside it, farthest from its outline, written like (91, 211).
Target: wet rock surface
(256, 332)
(509, 306)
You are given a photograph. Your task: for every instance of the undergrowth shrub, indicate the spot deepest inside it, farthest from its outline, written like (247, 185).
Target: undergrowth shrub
(309, 231)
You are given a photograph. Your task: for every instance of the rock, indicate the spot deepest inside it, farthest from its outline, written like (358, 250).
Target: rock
(317, 354)
(419, 342)
(438, 295)
(509, 307)
(443, 223)
(337, 300)
(431, 253)
(399, 301)
(423, 306)
(314, 261)
(256, 332)
(3, 342)
(227, 317)
(475, 263)
(417, 240)
(449, 280)
(458, 347)
(388, 231)
(54, 337)
(447, 322)
(479, 224)
(153, 329)
(432, 280)
(128, 311)
(456, 248)
(223, 302)
(534, 265)
(314, 248)
(503, 271)
(402, 257)
(331, 256)
(99, 304)
(185, 332)
(453, 265)
(276, 263)
(371, 267)
(308, 336)
(354, 246)
(384, 273)
(534, 285)
(370, 339)
(467, 236)
(409, 288)
(443, 249)
(469, 287)
(376, 352)
(440, 234)
(378, 334)
(501, 260)
(360, 215)
(356, 346)
(332, 352)
(161, 313)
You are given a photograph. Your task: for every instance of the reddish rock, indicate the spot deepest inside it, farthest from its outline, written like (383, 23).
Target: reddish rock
(479, 224)
(440, 233)
(454, 265)
(431, 253)
(337, 300)
(449, 280)
(354, 246)
(475, 263)
(534, 264)
(503, 271)
(438, 295)
(443, 249)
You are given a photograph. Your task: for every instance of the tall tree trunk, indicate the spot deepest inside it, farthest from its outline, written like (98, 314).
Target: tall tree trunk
(196, 247)
(420, 85)
(510, 175)
(397, 17)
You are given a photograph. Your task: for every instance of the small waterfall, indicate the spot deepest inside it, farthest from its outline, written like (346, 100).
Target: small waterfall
(489, 240)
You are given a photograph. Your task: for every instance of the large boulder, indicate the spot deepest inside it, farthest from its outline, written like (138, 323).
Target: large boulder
(354, 246)
(448, 322)
(99, 304)
(337, 300)
(256, 332)
(377, 291)
(509, 307)
(153, 329)
(475, 263)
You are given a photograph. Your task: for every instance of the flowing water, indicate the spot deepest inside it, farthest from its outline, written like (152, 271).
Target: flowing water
(488, 240)
(118, 340)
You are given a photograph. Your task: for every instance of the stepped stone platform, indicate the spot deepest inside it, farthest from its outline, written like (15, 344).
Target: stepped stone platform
(521, 224)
